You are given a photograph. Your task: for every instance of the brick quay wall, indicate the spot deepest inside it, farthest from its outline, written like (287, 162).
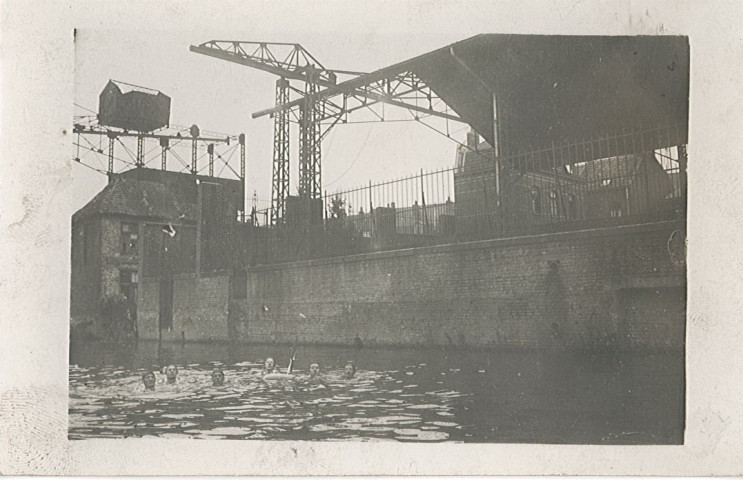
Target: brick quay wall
(592, 289)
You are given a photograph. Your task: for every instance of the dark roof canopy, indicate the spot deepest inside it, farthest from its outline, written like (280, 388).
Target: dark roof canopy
(555, 88)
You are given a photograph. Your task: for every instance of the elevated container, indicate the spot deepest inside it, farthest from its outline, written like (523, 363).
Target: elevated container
(134, 108)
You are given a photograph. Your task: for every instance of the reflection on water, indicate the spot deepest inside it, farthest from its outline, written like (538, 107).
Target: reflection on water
(419, 395)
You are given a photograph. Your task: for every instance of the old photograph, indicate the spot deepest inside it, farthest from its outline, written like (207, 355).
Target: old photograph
(397, 237)
(484, 242)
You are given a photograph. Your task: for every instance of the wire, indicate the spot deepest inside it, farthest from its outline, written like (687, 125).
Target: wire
(84, 108)
(368, 134)
(92, 168)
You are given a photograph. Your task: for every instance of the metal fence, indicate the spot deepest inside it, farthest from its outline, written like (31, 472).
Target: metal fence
(630, 177)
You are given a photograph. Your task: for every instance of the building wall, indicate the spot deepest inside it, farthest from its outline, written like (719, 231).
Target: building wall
(112, 257)
(96, 273)
(85, 282)
(587, 289)
(200, 308)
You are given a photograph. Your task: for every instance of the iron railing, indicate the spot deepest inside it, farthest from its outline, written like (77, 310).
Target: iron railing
(630, 177)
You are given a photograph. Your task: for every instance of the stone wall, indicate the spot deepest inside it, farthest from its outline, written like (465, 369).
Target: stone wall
(200, 308)
(612, 286)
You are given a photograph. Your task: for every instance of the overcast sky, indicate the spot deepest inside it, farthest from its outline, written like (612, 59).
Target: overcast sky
(362, 36)
(221, 96)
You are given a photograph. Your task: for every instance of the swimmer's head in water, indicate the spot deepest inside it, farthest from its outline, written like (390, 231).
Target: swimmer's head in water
(314, 369)
(171, 372)
(269, 365)
(148, 378)
(349, 370)
(217, 376)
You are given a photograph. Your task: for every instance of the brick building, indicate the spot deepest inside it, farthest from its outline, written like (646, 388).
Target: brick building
(546, 188)
(148, 224)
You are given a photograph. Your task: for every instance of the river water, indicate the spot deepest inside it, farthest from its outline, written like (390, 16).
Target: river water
(406, 395)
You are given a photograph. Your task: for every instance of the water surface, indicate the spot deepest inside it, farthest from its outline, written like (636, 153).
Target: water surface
(418, 395)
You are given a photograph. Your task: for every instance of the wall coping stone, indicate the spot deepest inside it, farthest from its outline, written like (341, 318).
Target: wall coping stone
(482, 244)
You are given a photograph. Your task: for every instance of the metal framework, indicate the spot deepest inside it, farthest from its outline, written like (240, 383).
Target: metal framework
(241, 140)
(140, 151)
(405, 90)
(316, 111)
(310, 141)
(289, 61)
(210, 151)
(164, 142)
(280, 179)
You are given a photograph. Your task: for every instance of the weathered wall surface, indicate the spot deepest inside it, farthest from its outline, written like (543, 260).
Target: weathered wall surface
(85, 282)
(614, 286)
(200, 308)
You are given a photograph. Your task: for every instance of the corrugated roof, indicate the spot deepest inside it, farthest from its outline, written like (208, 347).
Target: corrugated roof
(138, 198)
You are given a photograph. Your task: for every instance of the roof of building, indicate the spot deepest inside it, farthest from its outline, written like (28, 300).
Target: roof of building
(553, 88)
(128, 87)
(138, 198)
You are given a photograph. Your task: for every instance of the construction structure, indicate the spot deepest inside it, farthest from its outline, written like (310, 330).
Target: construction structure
(130, 111)
(315, 112)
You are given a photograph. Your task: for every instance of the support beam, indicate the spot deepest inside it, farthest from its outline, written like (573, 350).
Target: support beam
(241, 140)
(309, 144)
(496, 151)
(140, 152)
(97, 130)
(210, 151)
(194, 166)
(164, 143)
(194, 145)
(111, 141)
(391, 91)
(280, 182)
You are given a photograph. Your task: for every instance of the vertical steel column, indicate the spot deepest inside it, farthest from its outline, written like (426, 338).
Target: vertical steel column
(194, 144)
(210, 151)
(164, 142)
(111, 140)
(241, 140)
(140, 151)
(496, 150)
(309, 142)
(280, 184)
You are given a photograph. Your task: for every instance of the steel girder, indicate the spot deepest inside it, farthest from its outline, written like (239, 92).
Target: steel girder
(280, 182)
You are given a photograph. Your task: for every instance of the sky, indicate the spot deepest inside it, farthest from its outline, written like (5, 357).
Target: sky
(151, 48)
(220, 96)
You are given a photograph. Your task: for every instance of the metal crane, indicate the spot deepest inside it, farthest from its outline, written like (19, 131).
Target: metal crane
(290, 61)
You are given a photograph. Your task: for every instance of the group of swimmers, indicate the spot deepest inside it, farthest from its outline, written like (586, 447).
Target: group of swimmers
(269, 367)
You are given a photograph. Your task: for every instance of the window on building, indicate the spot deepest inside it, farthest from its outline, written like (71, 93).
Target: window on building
(553, 203)
(536, 201)
(129, 238)
(128, 281)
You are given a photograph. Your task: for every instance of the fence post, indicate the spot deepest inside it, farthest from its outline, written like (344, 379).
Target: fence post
(423, 204)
